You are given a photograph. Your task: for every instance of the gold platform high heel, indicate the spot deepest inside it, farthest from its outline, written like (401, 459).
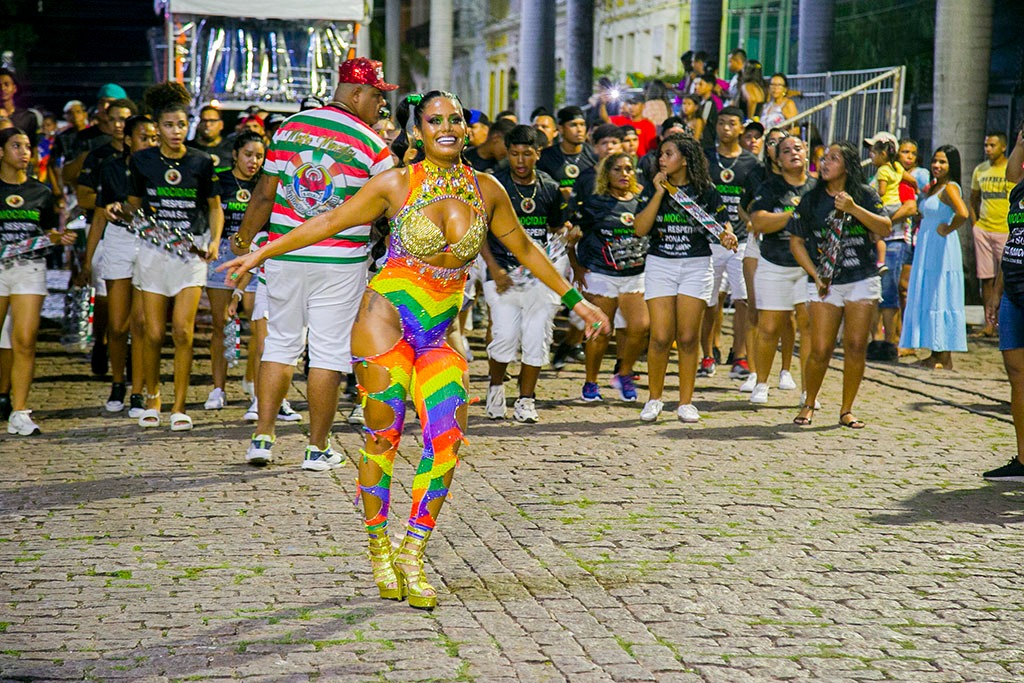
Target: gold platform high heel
(409, 565)
(382, 562)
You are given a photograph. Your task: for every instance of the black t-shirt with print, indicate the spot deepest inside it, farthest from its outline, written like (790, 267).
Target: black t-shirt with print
(545, 204)
(858, 257)
(675, 233)
(478, 163)
(115, 183)
(175, 190)
(609, 244)
(736, 180)
(26, 211)
(1013, 253)
(556, 163)
(220, 153)
(775, 195)
(235, 194)
(90, 174)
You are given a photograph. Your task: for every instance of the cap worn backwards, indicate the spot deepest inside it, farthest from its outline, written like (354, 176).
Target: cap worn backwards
(111, 91)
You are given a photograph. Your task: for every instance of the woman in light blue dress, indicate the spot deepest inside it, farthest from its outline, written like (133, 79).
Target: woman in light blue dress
(934, 317)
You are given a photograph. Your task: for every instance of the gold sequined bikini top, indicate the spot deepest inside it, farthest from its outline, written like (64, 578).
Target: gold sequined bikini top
(415, 234)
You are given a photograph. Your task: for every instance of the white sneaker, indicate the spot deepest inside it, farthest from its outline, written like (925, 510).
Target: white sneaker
(249, 388)
(803, 401)
(253, 413)
(786, 382)
(652, 409)
(525, 410)
(688, 413)
(259, 450)
(21, 424)
(286, 414)
(749, 383)
(317, 460)
(760, 393)
(496, 401)
(355, 416)
(216, 400)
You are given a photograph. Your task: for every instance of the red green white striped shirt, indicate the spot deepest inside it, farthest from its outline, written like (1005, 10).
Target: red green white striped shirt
(321, 158)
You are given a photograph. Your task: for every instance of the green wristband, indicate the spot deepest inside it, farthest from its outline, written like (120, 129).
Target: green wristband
(571, 298)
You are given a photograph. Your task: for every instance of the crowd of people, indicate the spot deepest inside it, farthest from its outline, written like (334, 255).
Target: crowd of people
(362, 241)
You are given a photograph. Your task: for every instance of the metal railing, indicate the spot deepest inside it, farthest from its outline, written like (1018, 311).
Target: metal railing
(848, 105)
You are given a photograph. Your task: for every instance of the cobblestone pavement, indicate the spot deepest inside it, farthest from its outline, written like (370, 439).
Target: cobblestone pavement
(589, 547)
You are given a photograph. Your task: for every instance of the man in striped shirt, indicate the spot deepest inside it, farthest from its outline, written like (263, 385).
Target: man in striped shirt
(318, 159)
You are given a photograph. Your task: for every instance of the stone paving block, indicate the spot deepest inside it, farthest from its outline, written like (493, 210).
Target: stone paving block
(738, 549)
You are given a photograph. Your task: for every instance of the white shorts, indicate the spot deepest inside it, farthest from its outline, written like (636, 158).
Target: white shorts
(24, 277)
(260, 309)
(611, 286)
(97, 278)
(5, 332)
(779, 288)
(478, 273)
(868, 289)
(323, 297)
(521, 320)
(160, 272)
(692, 277)
(120, 250)
(728, 264)
(753, 248)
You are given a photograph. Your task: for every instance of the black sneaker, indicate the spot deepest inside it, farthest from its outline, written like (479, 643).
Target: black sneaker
(1011, 471)
(578, 353)
(561, 356)
(136, 406)
(716, 353)
(115, 404)
(5, 407)
(731, 360)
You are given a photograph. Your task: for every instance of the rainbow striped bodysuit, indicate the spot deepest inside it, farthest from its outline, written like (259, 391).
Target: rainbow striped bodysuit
(427, 299)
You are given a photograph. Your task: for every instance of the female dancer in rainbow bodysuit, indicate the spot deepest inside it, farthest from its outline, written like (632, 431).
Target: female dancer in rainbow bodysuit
(440, 211)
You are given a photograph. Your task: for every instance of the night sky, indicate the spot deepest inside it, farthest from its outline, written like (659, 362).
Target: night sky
(66, 49)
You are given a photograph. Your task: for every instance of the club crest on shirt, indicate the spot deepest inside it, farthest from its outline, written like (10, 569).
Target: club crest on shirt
(312, 187)
(627, 218)
(527, 205)
(1020, 204)
(795, 201)
(572, 171)
(727, 175)
(243, 195)
(172, 176)
(216, 160)
(15, 201)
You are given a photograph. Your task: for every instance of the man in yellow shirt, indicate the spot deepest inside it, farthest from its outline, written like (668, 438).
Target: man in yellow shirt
(990, 202)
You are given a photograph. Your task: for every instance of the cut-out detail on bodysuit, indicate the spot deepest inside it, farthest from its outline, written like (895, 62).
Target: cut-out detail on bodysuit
(427, 298)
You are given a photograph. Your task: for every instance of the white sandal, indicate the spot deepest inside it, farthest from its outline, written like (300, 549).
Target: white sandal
(149, 418)
(180, 422)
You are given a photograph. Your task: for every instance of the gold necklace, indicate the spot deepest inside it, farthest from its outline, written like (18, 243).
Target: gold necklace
(526, 203)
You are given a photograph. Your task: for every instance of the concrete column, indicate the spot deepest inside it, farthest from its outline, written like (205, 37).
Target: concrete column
(579, 51)
(393, 47)
(706, 26)
(440, 76)
(536, 74)
(814, 36)
(963, 55)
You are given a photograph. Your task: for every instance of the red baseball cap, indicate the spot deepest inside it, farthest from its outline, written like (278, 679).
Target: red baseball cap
(363, 71)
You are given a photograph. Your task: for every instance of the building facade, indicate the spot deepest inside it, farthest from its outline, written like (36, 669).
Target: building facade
(630, 36)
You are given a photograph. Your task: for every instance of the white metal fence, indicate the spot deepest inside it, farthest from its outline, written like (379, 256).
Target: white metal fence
(849, 105)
